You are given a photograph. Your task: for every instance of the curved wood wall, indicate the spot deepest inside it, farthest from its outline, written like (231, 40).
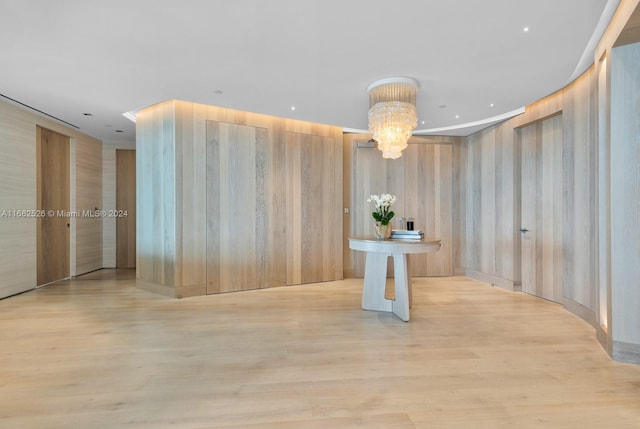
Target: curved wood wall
(594, 235)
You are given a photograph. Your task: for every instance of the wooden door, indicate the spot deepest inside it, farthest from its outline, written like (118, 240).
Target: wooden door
(52, 229)
(541, 209)
(236, 207)
(125, 213)
(311, 207)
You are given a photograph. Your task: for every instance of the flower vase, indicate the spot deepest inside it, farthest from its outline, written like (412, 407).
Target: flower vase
(383, 232)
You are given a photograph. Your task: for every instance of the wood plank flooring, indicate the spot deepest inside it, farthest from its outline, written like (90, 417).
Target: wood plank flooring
(96, 352)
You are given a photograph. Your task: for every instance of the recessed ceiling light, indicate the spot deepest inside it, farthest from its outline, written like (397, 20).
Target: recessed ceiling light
(293, 107)
(491, 104)
(457, 116)
(525, 29)
(422, 122)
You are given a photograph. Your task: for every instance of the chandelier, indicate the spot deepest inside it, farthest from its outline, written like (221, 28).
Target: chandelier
(392, 113)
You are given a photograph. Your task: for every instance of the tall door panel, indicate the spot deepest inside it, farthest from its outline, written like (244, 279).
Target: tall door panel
(52, 233)
(541, 209)
(125, 208)
(311, 208)
(236, 207)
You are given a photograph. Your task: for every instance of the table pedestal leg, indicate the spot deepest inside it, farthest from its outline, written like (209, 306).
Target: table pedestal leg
(375, 279)
(400, 306)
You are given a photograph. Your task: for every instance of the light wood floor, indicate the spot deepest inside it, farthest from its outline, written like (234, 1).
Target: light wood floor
(96, 352)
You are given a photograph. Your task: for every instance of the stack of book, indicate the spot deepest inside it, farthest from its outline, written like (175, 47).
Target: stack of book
(405, 234)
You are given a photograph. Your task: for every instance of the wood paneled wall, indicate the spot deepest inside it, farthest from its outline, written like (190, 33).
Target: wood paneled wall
(598, 191)
(108, 203)
(492, 175)
(18, 192)
(249, 208)
(491, 172)
(422, 180)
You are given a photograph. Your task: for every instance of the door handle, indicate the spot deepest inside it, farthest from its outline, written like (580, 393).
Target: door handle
(524, 230)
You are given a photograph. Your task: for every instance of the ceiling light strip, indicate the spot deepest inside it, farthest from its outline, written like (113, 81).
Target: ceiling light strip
(40, 111)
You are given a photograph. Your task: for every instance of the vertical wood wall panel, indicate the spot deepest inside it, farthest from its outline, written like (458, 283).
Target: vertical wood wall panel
(459, 208)
(474, 205)
(311, 199)
(294, 208)
(88, 197)
(554, 223)
(17, 192)
(507, 161)
(531, 211)
(191, 215)
(488, 201)
(213, 230)
(580, 164)
(276, 205)
(108, 203)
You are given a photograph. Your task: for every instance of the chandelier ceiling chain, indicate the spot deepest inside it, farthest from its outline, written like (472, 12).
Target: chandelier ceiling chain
(392, 113)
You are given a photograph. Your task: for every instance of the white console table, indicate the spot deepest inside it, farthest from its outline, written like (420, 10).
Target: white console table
(375, 272)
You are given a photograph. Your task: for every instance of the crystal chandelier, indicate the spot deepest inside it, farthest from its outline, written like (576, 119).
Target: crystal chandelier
(392, 113)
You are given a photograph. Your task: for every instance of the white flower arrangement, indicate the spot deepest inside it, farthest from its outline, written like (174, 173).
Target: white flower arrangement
(383, 202)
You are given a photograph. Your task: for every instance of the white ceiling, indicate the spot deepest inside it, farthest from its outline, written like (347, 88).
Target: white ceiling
(69, 57)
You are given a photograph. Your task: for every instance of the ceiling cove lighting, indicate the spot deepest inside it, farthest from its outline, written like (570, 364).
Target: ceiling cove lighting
(392, 113)
(130, 116)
